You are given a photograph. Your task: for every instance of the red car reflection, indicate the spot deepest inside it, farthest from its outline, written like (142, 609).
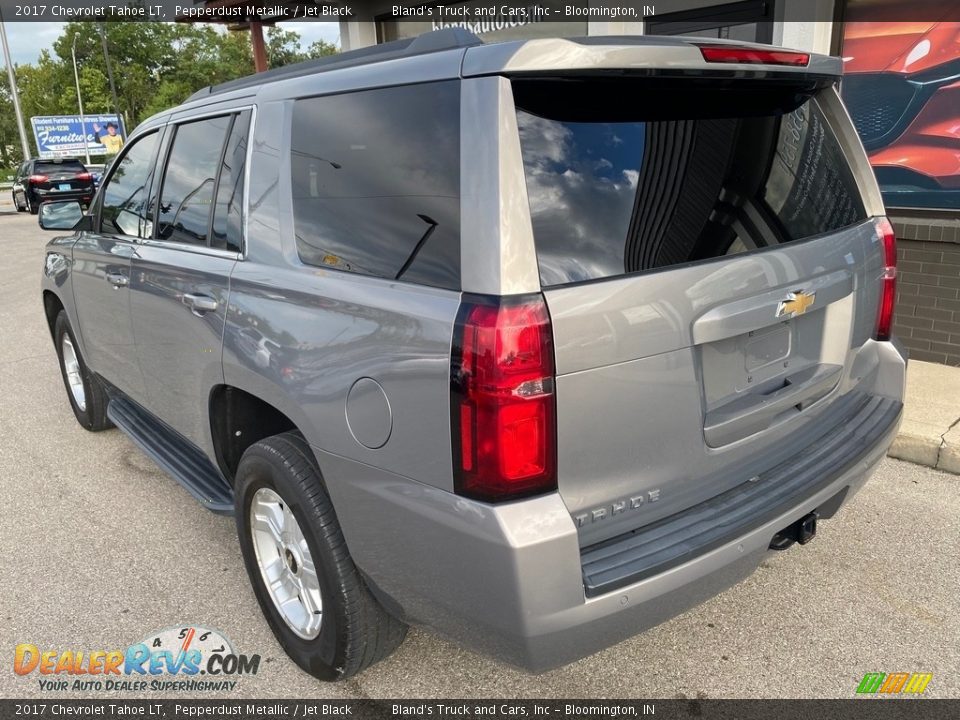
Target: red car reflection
(902, 87)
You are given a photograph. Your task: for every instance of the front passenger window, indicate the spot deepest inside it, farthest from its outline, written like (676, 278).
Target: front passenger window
(125, 205)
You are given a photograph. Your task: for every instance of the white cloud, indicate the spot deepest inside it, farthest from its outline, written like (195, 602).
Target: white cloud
(312, 31)
(546, 140)
(27, 39)
(576, 200)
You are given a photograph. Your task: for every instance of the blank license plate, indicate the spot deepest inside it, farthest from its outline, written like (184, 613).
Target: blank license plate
(63, 186)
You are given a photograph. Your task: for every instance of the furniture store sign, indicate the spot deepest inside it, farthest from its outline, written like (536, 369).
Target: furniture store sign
(73, 136)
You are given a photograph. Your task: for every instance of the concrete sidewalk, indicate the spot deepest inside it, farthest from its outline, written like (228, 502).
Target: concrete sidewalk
(930, 433)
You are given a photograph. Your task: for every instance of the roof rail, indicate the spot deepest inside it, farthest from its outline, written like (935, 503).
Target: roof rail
(429, 42)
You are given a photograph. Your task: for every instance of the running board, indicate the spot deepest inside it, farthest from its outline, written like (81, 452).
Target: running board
(184, 462)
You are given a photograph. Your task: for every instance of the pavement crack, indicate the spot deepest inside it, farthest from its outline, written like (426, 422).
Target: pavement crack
(25, 357)
(952, 426)
(943, 441)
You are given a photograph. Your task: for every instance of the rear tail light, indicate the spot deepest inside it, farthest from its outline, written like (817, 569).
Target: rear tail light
(39, 178)
(888, 279)
(753, 56)
(84, 176)
(503, 415)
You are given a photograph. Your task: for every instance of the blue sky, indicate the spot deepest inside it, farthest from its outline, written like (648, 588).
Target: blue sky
(28, 39)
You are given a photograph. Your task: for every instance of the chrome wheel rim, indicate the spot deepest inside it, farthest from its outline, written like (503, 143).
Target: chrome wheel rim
(286, 565)
(71, 367)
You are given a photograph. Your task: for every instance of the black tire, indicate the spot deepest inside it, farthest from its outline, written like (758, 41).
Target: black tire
(31, 208)
(17, 205)
(356, 631)
(93, 416)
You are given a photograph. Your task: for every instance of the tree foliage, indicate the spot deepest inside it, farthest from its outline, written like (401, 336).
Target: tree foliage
(155, 66)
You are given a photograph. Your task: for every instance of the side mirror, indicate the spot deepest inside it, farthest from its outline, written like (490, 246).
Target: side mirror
(62, 215)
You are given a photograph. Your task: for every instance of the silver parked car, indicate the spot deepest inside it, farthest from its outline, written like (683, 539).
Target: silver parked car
(536, 343)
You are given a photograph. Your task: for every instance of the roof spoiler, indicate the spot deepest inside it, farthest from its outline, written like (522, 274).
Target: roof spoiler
(646, 55)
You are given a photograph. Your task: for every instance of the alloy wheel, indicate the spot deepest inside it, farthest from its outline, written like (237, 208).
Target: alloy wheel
(286, 564)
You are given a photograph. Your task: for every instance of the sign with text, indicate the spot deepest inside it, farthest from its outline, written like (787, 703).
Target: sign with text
(70, 136)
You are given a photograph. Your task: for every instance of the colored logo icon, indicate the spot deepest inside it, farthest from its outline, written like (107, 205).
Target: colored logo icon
(894, 683)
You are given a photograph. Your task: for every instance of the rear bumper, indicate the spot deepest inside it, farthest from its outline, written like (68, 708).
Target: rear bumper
(613, 616)
(860, 422)
(508, 580)
(81, 195)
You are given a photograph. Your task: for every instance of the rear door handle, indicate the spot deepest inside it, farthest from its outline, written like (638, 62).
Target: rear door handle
(117, 279)
(200, 304)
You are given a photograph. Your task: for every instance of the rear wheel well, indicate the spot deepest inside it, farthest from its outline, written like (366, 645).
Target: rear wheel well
(51, 307)
(238, 420)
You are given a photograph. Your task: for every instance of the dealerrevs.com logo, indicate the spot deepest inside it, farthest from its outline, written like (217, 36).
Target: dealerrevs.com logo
(189, 658)
(899, 683)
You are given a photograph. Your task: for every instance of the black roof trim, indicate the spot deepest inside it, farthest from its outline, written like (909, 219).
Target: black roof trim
(430, 42)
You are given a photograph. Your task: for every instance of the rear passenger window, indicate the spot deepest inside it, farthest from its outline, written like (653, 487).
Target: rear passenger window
(228, 210)
(125, 203)
(689, 174)
(186, 195)
(58, 166)
(376, 182)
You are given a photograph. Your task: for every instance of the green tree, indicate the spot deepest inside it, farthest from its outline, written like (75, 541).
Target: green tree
(283, 47)
(42, 87)
(155, 66)
(321, 48)
(94, 89)
(9, 136)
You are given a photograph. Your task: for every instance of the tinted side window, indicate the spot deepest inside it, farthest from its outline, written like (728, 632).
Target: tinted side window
(810, 187)
(124, 209)
(228, 210)
(186, 195)
(376, 182)
(619, 188)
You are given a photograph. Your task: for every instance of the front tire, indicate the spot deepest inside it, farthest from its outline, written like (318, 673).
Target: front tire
(309, 590)
(85, 391)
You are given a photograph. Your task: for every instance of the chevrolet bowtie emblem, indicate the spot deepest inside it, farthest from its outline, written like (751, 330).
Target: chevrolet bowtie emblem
(795, 304)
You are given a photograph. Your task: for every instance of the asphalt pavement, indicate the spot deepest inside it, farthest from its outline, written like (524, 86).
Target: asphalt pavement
(100, 548)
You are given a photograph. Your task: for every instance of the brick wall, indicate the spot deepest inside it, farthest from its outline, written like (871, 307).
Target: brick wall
(927, 316)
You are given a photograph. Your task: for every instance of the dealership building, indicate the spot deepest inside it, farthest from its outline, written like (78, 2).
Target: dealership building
(901, 85)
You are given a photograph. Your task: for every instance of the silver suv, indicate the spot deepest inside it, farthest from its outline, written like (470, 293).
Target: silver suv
(537, 343)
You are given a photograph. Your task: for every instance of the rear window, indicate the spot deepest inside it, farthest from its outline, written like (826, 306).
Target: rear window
(624, 179)
(50, 166)
(376, 182)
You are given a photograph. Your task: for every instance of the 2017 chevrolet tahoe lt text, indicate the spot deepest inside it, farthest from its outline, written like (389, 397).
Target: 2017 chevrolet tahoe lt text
(536, 343)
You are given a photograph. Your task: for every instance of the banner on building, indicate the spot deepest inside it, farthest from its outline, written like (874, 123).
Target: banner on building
(901, 85)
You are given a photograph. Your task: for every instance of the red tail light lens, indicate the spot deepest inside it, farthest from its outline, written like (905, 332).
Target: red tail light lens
(888, 279)
(84, 176)
(753, 56)
(502, 404)
(38, 178)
